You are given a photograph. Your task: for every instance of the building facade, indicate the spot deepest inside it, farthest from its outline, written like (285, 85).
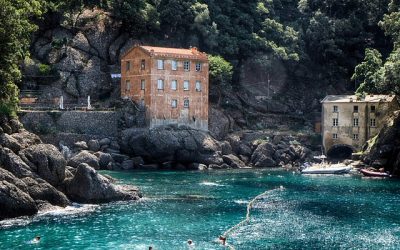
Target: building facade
(348, 120)
(172, 84)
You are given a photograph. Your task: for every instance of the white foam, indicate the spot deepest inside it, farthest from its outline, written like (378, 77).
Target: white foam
(241, 201)
(22, 221)
(207, 183)
(69, 210)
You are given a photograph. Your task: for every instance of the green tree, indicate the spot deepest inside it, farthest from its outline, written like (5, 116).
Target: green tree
(367, 74)
(221, 72)
(16, 27)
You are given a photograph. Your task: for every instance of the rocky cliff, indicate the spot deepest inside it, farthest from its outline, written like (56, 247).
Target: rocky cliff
(384, 149)
(84, 49)
(34, 175)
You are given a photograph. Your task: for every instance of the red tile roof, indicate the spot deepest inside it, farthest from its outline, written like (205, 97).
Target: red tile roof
(192, 53)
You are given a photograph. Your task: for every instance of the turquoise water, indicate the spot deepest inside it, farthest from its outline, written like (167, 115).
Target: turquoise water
(310, 212)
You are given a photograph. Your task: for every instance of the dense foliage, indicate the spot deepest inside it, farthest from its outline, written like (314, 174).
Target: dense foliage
(321, 41)
(16, 27)
(220, 74)
(374, 74)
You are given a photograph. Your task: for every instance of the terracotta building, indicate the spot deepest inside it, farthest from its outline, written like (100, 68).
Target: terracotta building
(172, 84)
(349, 121)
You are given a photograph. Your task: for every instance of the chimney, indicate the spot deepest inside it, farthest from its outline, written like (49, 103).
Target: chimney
(194, 50)
(351, 99)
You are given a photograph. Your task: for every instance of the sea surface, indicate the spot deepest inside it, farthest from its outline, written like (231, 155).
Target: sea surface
(295, 212)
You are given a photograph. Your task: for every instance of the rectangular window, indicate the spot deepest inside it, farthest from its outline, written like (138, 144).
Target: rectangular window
(355, 122)
(160, 64)
(186, 85)
(160, 84)
(198, 86)
(186, 103)
(372, 109)
(142, 84)
(128, 85)
(198, 66)
(143, 64)
(128, 65)
(355, 137)
(335, 109)
(335, 122)
(174, 84)
(174, 65)
(334, 136)
(186, 65)
(373, 123)
(174, 103)
(355, 109)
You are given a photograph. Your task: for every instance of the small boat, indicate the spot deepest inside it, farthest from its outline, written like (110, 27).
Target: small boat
(326, 169)
(370, 173)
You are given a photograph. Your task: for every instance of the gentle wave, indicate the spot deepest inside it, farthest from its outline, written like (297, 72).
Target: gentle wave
(69, 210)
(55, 211)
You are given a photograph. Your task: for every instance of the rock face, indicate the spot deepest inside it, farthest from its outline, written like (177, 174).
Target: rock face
(165, 144)
(46, 161)
(84, 157)
(14, 202)
(35, 176)
(384, 150)
(89, 186)
(263, 155)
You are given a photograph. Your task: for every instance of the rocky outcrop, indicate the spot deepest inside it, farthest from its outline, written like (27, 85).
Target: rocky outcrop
(41, 190)
(88, 186)
(169, 143)
(14, 202)
(233, 161)
(35, 176)
(384, 149)
(263, 155)
(84, 157)
(46, 161)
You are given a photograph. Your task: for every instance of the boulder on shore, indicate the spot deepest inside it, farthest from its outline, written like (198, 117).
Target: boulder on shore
(170, 143)
(263, 155)
(14, 202)
(88, 186)
(84, 157)
(47, 161)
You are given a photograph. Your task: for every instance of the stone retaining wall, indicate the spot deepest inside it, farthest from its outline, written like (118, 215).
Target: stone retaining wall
(96, 123)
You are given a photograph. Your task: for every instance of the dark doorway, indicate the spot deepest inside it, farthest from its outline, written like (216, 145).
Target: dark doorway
(340, 152)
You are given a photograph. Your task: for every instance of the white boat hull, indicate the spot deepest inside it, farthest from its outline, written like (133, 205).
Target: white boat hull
(327, 170)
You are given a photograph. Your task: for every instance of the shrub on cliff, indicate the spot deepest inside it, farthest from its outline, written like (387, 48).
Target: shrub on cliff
(15, 34)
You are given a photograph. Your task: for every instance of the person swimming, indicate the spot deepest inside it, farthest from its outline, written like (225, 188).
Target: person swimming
(190, 243)
(223, 240)
(35, 240)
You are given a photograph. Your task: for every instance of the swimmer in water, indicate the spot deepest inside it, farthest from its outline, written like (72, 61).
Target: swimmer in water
(190, 243)
(35, 240)
(223, 240)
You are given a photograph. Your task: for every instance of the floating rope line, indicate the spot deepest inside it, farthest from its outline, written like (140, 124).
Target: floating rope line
(247, 219)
